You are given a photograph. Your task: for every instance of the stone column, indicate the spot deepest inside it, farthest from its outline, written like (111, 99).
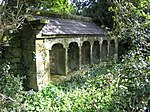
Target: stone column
(42, 64)
(66, 61)
(80, 57)
(108, 49)
(91, 53)
(100, 43)
(47, 68)
(39, 65)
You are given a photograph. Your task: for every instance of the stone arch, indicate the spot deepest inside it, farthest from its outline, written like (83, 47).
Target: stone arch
(57, 59)
(52, 44)
(73, 56)
(112, 48)
(74, 41)
(104, 52)
(85, 51)
(96, 52)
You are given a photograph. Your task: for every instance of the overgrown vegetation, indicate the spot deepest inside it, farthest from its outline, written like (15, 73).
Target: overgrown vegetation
(57, 6)
(86, 92)
(12, 17)
(122, 86)
(13, 13)
(96, 9)
(131, 21)
(11, 89)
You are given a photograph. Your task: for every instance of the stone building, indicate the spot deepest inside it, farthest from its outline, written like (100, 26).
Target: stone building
(60, 45)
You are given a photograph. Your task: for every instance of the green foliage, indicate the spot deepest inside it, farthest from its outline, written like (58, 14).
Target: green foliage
(96, 9)
(12, 17)
(116, 87)
(11, 90)
(131, 21)
(58, 6)
(132, 78)
(99, 11)
(87, 92)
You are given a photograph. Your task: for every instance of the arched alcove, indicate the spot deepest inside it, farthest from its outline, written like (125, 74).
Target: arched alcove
(73, 56)
(104, 50)
(96, 52)
(57, 59)
(112, 48)
(85, 53)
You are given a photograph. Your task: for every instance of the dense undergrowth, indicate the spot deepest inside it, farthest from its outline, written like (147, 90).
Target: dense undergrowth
(86, 92)
(116, 87)
(111, 88)
(11, 89)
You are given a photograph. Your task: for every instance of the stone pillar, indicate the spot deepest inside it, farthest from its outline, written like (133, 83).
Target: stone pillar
(66, 61)
(100, 43)
(91, 53)
(42, 64)
(80, 57)
(108, 49)
(47, 67)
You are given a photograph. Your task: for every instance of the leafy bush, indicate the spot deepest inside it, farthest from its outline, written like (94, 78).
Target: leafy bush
(11, 90)
(87, 92)
(57, 6)
(132, 75)
(111, 88)
(132, 88)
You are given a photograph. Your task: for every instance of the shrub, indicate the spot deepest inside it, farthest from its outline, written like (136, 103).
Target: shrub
(87, 92)
(11, 90)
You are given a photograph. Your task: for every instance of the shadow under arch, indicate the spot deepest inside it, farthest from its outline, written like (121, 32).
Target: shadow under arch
(73, 56)
(104, 52)
(57, 59)
(85, 51)
(96, 52)
(112, 49)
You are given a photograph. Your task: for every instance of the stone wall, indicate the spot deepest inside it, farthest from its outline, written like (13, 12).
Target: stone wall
(28, 36)
(65, 53)
(73, 57)
(11, 54)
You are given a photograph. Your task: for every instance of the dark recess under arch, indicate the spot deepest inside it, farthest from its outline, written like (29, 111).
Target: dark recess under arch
(73, 56)
(57, 59)
(86, 53)
(96, 52)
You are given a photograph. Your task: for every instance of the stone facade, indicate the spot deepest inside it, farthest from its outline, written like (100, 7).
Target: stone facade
(59, 47)
(61, 55)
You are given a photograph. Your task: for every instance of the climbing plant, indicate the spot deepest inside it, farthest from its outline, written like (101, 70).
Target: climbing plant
(132, 75)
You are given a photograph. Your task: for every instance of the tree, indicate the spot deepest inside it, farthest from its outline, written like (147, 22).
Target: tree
(12, 17)
(57, 6)
(13, 13)
(96, 9)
